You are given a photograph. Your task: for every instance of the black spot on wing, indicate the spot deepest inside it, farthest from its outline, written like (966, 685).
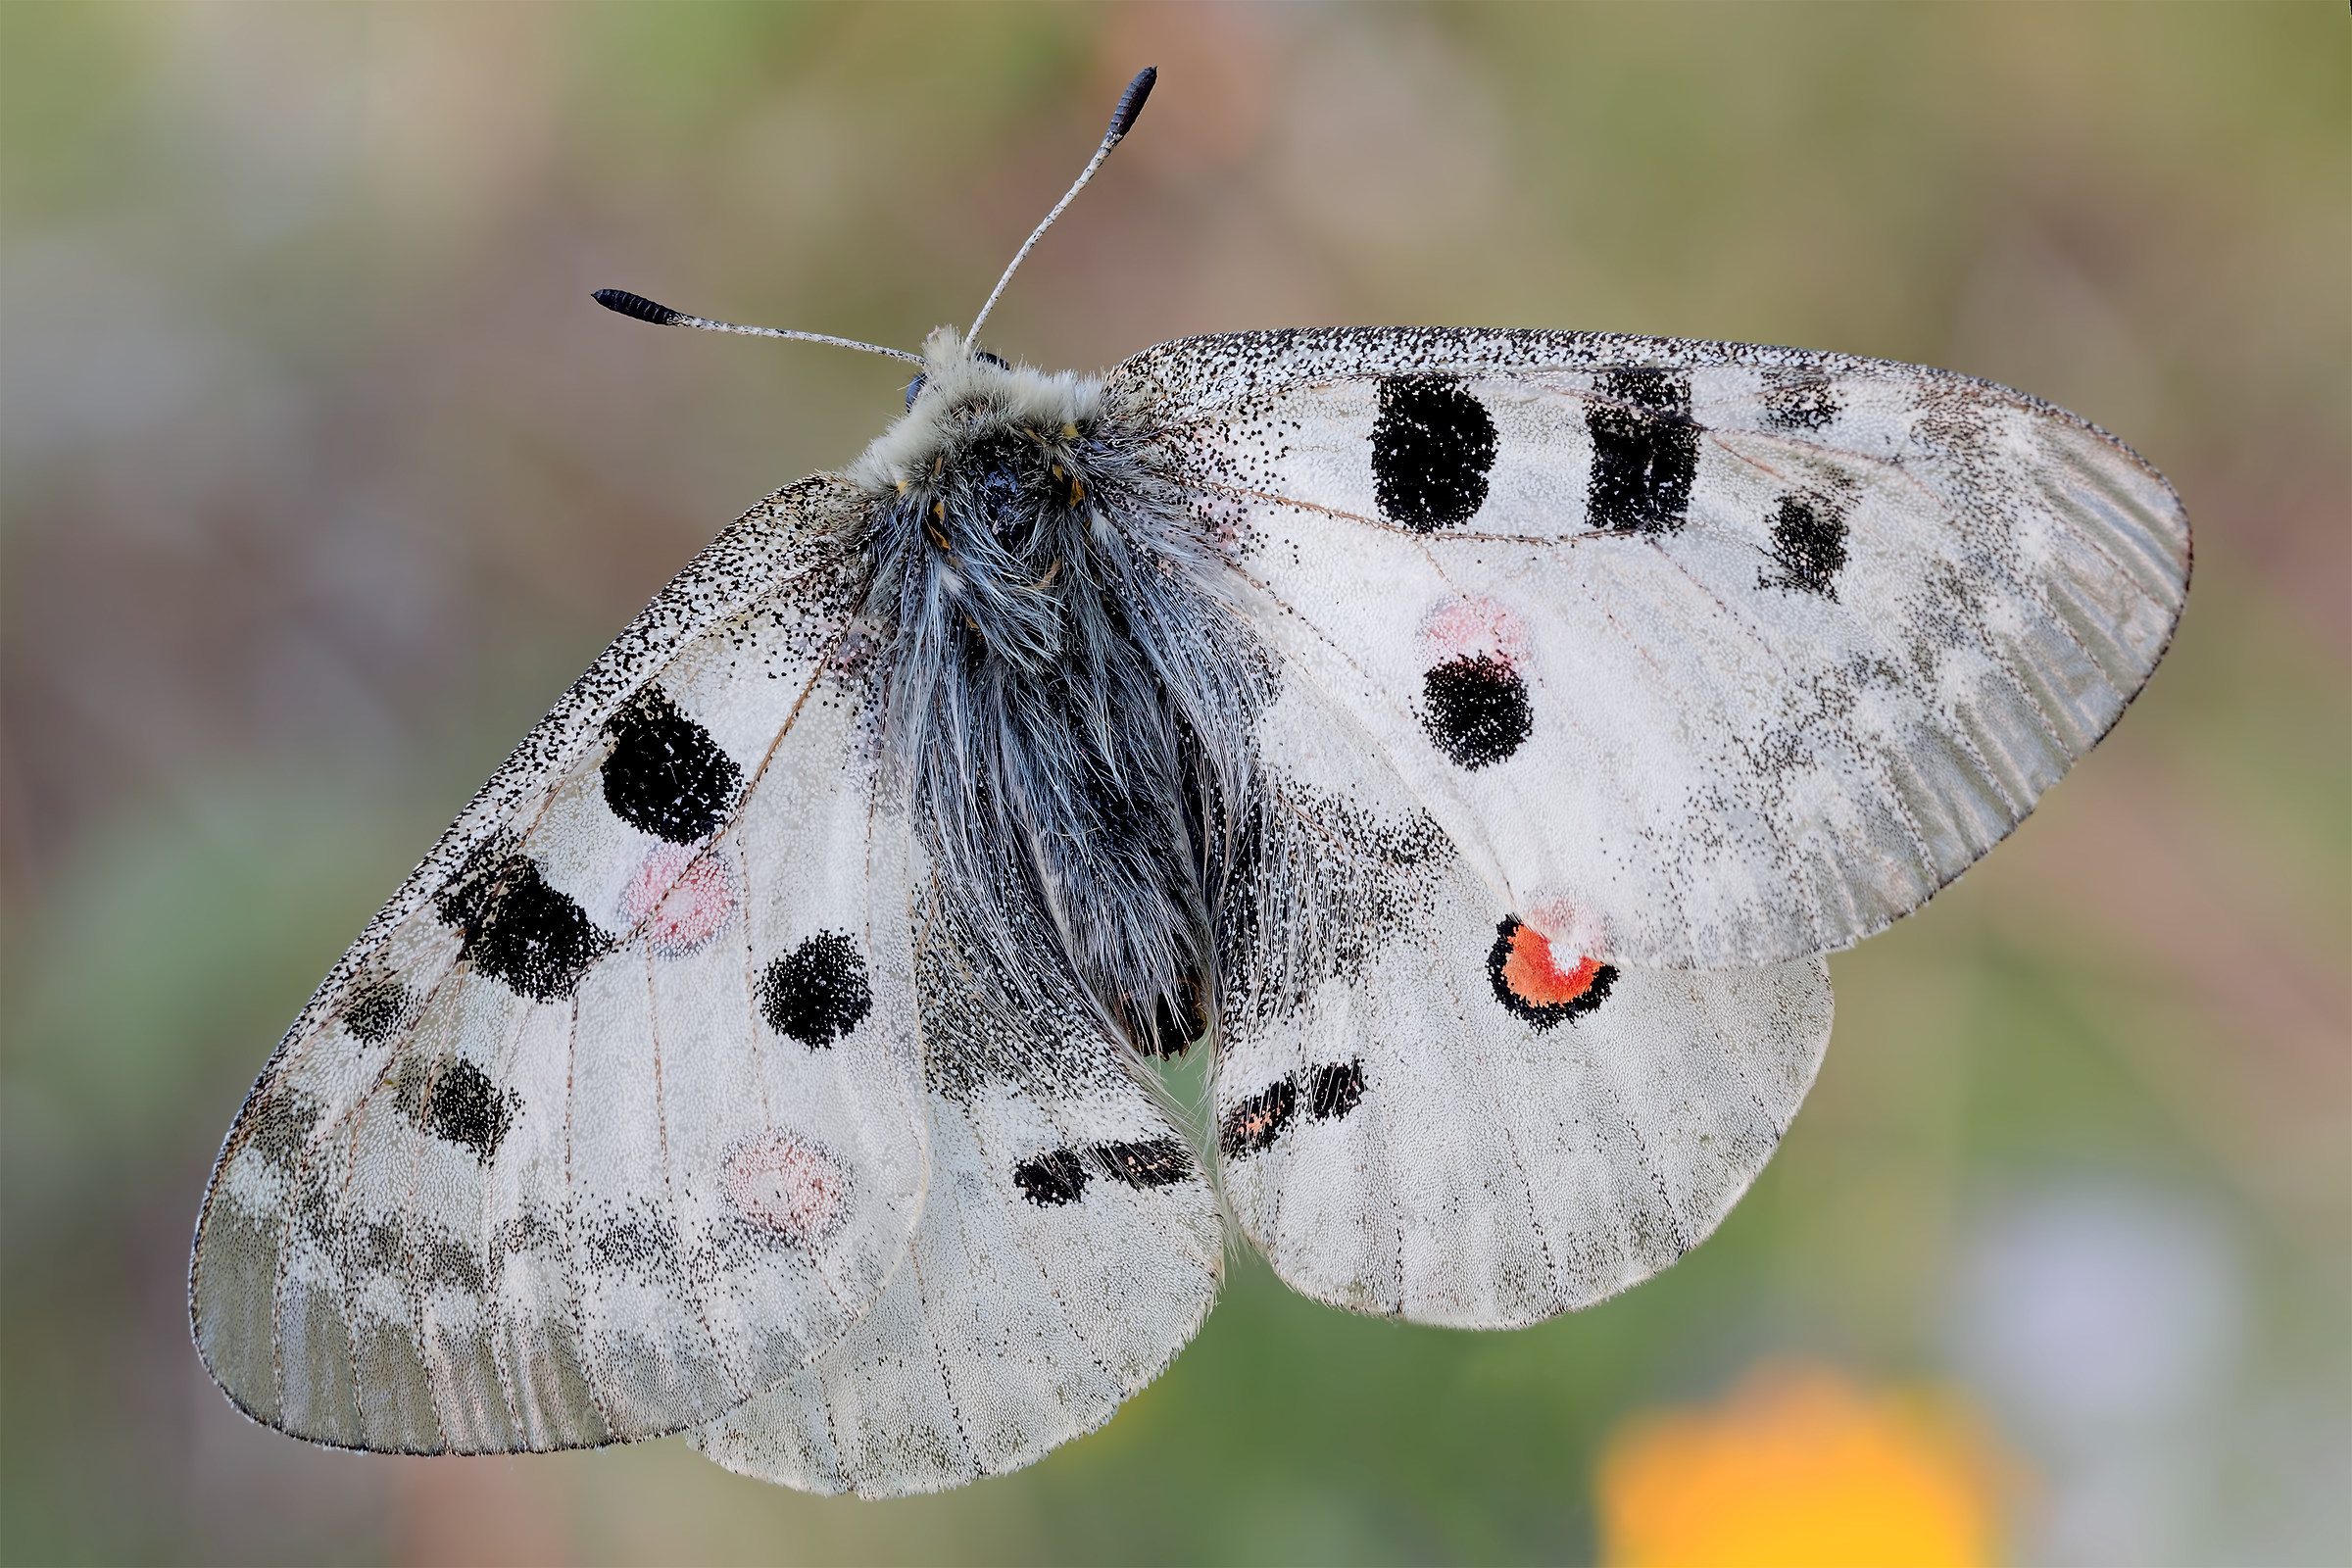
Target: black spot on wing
(1254, 1123)
(1052, 1178)
(817, 993)
(1808, 546)
(1433, 444)
(443, 1260)
(522, 933)
(1644, 451)
(1335, 1089)
(665, 775)
(279, 1125)
(1799, 400)
(377, 1009)
(1157, 1163)
(455, 1100)
(1476, 708)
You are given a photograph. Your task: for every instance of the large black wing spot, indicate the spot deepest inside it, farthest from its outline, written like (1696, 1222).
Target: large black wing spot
(1476, 708)
(1159, 1162)
(1433, 445)
(1253, 1125)
(522, 933)
(817, 993)
(1054, 1178)
(1335, 1089)
(665, 775)
(455, 1101)
(1808, 546)
(1644, 451)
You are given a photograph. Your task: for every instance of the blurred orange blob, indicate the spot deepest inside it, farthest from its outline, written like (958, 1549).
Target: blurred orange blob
(1798, 1466)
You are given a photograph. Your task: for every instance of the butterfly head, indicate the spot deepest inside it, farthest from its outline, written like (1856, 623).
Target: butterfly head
(967, 402)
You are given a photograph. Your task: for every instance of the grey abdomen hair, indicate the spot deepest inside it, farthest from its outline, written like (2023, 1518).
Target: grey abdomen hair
(1070, 699)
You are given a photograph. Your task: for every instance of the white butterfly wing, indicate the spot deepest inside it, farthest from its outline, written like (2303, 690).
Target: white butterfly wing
(1068, 1248)
(609, 1120)
(1722, 654)
(1426, 1109)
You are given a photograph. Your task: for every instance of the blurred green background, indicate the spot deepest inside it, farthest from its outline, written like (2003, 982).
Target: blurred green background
(322, 476)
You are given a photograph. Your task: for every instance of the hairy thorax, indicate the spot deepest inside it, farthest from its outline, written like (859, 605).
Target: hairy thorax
(1068, 692)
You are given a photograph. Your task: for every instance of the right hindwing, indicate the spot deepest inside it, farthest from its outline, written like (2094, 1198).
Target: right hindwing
(1424, 1109)
(611, 1119)
(1738, 653)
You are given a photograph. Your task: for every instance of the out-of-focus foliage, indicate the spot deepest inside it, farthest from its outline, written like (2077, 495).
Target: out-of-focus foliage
(322, 475)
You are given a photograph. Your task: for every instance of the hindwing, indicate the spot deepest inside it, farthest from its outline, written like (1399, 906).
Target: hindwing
(1428, 1103)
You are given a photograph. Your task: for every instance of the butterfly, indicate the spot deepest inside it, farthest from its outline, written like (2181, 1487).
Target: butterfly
(1473, 740)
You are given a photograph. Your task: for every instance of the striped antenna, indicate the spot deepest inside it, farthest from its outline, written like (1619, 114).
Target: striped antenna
(645, 310)
(1122, 119)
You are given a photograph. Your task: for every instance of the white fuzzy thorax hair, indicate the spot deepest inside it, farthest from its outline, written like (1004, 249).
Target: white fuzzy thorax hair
(960, 393)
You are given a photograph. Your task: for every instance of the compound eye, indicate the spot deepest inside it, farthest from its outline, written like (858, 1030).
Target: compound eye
(912, 387)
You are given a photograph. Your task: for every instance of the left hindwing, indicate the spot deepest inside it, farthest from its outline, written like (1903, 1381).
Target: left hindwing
(1727, 655)
(1068, 1247)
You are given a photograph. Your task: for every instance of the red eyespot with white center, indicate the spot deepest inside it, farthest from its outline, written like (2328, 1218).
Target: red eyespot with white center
(787, 1186)
(680, 900)
(1541, 983)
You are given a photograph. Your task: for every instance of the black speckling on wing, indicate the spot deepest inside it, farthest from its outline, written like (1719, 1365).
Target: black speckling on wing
(1742, 652)
(1403, 1135)
(1069, 1246)
(404, 1236)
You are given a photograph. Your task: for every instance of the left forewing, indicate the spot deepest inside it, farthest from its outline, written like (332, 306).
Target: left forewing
(609, 1120)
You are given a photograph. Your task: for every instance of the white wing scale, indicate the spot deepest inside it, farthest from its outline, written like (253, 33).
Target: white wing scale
(567, 1150)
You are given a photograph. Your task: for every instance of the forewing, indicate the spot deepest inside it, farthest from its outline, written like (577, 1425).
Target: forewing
(1068, 1248)
(1731, 654)
(1425, 1106)
(609, 1120)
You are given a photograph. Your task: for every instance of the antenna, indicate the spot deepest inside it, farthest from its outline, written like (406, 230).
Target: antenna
(1122, 120)
(645, 310)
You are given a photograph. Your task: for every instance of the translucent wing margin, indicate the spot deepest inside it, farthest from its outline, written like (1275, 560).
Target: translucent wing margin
(1724, 654)
(1069, 1246)
(609, 1120)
